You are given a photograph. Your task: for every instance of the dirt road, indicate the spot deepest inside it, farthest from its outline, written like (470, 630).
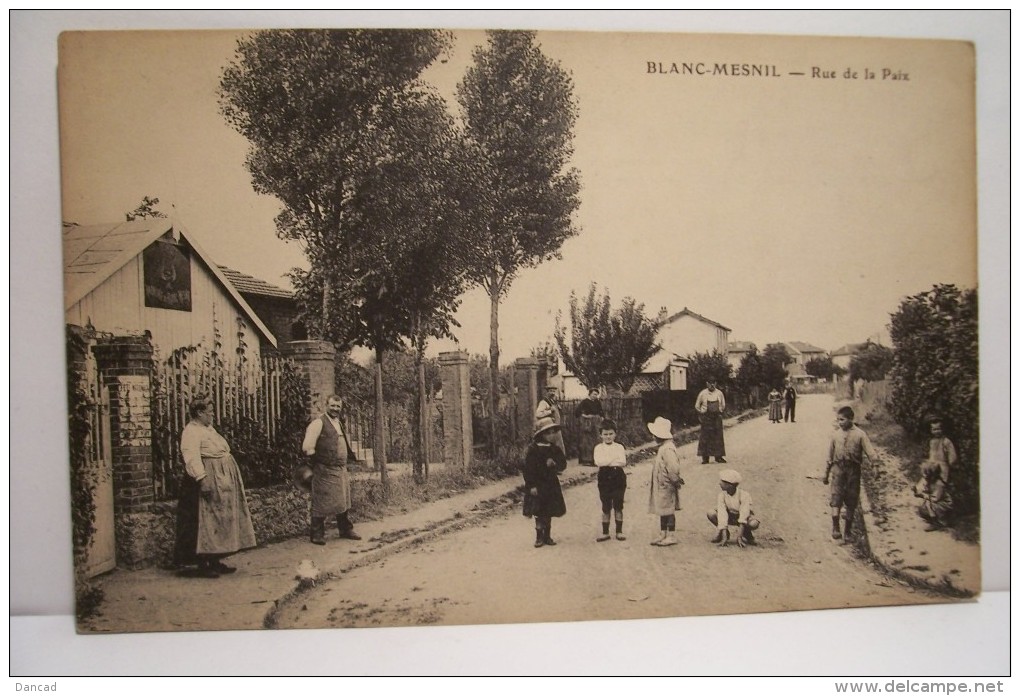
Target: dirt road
(491, 573)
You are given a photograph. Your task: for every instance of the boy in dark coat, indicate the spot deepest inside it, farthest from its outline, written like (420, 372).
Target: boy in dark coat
(543, 498)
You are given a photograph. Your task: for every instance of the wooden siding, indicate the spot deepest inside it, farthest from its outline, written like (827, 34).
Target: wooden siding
(118, 306)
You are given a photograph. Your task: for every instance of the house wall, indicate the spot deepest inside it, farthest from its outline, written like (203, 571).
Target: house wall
(118, 306)
(278, 314)
(842, 361)
(687, 335)
(735, 359)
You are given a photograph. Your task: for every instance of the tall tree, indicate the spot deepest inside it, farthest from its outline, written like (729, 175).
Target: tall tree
(312, 105)
(519, 112)
(335, 119)
(774, 360)
(606, 346)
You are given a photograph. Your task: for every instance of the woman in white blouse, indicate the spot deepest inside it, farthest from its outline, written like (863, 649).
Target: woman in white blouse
(213, 520)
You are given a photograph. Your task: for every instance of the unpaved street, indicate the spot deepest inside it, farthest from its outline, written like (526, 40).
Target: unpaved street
(491, 573)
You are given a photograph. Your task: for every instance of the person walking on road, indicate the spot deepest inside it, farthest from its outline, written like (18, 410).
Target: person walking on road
(710, 405)
(543, 497)
(790, 403)
(847, 448)
(327, 444)
(213, 520)
(666, 482)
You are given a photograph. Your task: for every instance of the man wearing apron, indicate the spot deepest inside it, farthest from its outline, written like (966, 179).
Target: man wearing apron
(326, 443)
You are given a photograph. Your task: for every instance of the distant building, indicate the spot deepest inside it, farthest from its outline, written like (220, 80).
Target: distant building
(274, 305)
(801, 353)
(686, 333)
(680, 336)
(845, 353)
(735, 352)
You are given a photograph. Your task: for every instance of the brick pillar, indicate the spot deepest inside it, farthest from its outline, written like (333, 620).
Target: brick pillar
(316, 360)
(126, 365)
(458, 443)
(526, 383)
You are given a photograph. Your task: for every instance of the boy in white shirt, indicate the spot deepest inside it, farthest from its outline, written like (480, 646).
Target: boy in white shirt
(733, 506)
(610, 458)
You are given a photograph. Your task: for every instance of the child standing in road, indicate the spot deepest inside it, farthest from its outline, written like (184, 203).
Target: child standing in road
(610, 458)
(847, 448)
(733, 506)
(664, 492)
(543, 498)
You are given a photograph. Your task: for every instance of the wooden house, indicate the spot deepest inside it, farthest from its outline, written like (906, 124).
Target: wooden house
(152, 275)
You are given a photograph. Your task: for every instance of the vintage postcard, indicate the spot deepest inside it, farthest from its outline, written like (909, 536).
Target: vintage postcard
(380, 328)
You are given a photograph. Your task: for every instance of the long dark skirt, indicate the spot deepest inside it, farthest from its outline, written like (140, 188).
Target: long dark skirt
(186, 536)
(588, 438)
(710, 441)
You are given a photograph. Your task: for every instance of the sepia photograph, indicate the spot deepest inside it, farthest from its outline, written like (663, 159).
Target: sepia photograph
(420, 328)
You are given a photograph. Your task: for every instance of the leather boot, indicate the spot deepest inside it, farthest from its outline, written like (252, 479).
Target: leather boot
(539, 537)
(547, 537)
(346, 529)
(318, 532)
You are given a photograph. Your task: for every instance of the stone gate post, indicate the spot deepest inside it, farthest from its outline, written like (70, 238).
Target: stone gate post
(458, 443)
(526, 383)
(316, 360)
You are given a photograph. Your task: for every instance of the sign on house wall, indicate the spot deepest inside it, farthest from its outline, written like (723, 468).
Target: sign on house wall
(166, 271)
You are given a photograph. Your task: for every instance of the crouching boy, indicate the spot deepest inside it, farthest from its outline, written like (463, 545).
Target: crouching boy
(733, 507)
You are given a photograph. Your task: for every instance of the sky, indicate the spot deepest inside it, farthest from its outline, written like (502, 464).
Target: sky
(787, 209)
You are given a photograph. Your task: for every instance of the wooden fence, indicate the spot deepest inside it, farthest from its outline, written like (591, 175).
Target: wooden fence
(247, 395)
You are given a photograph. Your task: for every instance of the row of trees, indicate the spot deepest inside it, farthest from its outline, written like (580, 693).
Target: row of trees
(398, 206)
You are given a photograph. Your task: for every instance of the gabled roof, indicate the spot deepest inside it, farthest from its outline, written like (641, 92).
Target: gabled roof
(93, 253)
(250, 285)
(849, 349)
(739, 346)
(688, 313)
(802, 347)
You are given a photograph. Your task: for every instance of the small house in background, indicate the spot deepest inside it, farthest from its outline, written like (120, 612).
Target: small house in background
(276, 307)
(686, 333)
(801, 353)
(680, 336)
(735, 352)
(842, 356)
(150, 274)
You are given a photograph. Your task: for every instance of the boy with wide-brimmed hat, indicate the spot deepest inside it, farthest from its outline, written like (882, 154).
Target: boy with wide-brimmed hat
(543, 497)
(666, 482)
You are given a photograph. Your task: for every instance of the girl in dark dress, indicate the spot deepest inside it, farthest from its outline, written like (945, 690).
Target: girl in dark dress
(543, 498)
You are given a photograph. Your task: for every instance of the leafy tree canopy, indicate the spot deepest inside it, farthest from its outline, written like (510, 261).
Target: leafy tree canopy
(606, 346)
